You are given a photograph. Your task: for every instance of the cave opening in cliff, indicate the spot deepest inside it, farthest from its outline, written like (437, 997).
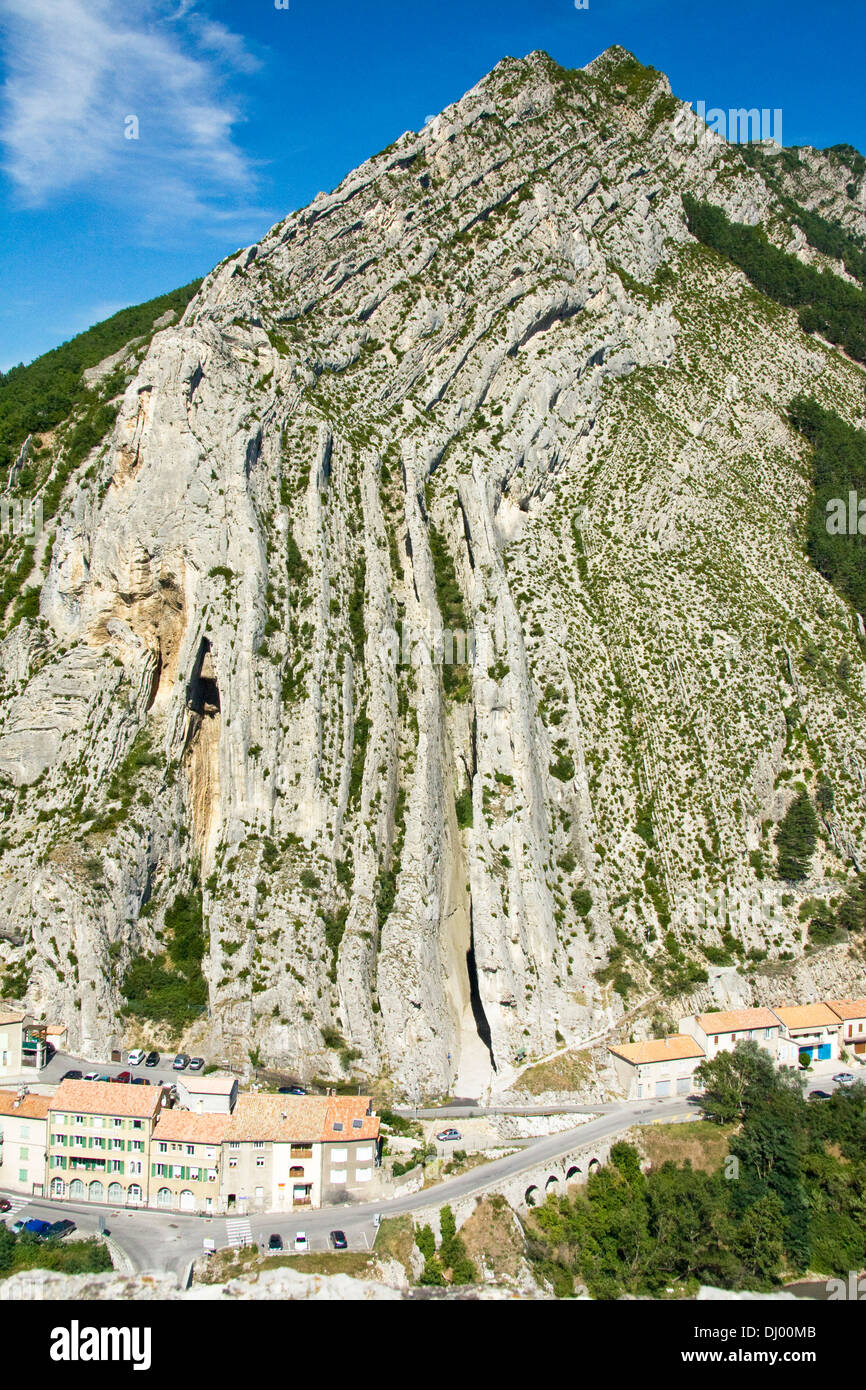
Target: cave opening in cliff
(202, 693)
(481, 1025)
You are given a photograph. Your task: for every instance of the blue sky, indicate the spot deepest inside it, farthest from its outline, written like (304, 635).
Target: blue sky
(246, 110)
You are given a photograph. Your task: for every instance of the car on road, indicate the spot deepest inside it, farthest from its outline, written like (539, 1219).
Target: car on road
(844, 1078)
(302, 1245)
(338, 1240)
(106, 1077)
(124, 1077)
(58, 1229)
(5, 1204)
(36, 1227)
(445, 1136)
(181, 1062)
(136, 1056)
(18, 1226)
(141, 1081)
(818, 1095)
(72, 1076)
(291, 1091)
(196, 1064)
(91, 1076)
(275, 1242)
(152, 1059)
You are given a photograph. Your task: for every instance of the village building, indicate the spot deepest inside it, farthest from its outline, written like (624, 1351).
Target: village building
(23, 1131)
(99, 1138)
(852, 1016)
(720, 1032)
(813, 1028)
(185, 1160)
(11, 1042)
(658, 1068)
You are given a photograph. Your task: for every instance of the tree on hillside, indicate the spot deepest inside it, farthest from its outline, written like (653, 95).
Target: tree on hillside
(733, 1080)
(796, 838)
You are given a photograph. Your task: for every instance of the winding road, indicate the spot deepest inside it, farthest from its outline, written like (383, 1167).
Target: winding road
(168, 1241)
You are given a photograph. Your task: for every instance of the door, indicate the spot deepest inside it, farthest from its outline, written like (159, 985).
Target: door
(824, 1052)
(663, 1088)
(684, 1085)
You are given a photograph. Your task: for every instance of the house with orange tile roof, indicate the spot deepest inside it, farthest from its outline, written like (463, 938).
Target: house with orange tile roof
(658, 1068)
(851, 1013)
(814, 1028)
(720, 1032)
(23, 1131)
(99, 1136)
(186, 1160)
(283, 1152)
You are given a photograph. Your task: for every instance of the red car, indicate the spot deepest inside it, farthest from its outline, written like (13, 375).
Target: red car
(5, 1205)
(123, 1076)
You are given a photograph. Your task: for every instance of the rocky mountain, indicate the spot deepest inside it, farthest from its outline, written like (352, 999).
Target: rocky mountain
(431, 646)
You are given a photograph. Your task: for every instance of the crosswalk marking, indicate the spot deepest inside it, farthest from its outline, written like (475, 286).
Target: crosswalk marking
(18, 1204)
(239, 1231)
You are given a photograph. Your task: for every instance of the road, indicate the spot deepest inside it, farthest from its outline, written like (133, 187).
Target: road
(168, 1241)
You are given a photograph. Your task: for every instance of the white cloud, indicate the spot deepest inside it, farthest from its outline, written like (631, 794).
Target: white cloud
(76, 69)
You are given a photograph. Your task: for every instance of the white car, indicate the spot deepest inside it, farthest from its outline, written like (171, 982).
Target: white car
(302, 1245)
(844, 1078)
(136, 1057)
(91, 1076)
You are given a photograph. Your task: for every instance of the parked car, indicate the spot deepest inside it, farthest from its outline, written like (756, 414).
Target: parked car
(59, 1229)
(136, 1056)
(275, 1242)
(818, 1095)
(106, 1077)
(152, 1059)
(124, 1077)
(377, 1220)
(196, 1064)
(338, 1240)
(5, 1204)
(445, 1136)
(844, 1078)
(72, 1076)
(91, 1076)
(141, 1081)
(291, 1091)
(302, 1245)
(181, 1062)
(18, 1226)
(36, 1227)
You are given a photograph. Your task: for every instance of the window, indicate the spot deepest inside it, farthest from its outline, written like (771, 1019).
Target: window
(79, 1119)
(259, 1144)
(23, 1152)
(338, 1126)
(260, 1160)
(163, 1148)
(190, 1148)
(339, 1155)
(118, 1124)
(260, 1194)
(357, 1124)
(115, 1165)
(364, 1154)
(136, 1124)
(22, 1174)
(234, 1144)
(25, 1131)
(233, 1162)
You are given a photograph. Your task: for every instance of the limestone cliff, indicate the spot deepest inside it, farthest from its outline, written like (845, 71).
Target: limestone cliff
(489, 384)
